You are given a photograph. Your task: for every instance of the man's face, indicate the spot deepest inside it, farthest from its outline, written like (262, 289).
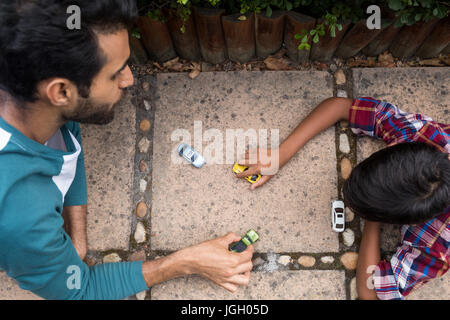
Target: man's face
(108, 87)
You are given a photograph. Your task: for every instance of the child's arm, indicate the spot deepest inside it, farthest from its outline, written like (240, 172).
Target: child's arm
(326, 114)
(369, 257)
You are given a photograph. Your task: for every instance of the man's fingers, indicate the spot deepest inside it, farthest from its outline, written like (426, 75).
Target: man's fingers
(239, 279)
(244, 268)
(231, 237)
(229, 286)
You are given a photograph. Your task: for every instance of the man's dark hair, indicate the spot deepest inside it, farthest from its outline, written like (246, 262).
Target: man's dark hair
(408, 183)
(36, 44)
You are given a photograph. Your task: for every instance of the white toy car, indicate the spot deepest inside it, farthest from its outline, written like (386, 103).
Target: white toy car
(195, 158)
(338, 216)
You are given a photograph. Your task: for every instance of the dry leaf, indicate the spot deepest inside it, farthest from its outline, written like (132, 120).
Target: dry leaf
(431, 62)
(194, 74)
(273, 63)
(386, 60)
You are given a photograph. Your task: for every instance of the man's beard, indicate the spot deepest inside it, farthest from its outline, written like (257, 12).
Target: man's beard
(91, 113)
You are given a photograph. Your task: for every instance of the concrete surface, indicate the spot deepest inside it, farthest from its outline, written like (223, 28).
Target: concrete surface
(109, 159)
(291, 212)
(281, 285)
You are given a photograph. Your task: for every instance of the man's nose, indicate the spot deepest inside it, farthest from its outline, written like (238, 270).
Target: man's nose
(128, 79)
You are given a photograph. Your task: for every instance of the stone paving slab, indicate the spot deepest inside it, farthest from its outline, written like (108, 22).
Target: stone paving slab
(418, 90)
(109, 159)
(281, 285)
(9, 290)
(190, 205)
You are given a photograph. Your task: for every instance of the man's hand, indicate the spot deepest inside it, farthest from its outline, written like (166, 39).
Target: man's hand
(210, 259)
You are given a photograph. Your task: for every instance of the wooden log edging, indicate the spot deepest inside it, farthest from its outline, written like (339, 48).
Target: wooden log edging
(295, 23)
(208, 23)
(239, 37)
(185, 43)
(326, 47)
(437, 41)
(156, 39)
(212, 37)
(269, 33)
(356, 39)
(410, 38)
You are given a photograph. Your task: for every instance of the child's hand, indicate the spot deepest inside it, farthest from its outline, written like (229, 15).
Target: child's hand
(260, 161)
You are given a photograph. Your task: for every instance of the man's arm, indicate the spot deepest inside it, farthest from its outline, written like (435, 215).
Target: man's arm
(368, 258)
(210, 259)
(75, 226)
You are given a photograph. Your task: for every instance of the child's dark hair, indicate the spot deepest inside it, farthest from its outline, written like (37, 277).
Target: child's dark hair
(36, 44)
(408, 183)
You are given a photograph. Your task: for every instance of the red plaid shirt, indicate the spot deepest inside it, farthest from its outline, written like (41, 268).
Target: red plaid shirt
(424, 250)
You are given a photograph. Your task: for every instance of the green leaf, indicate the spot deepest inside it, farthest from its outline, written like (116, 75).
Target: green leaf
(339, 26)
(297, 36)
(305, 39)
(313, 32)
(316, 38)
(269, 11)
(333, 32)
(183, 29)
(417, 17)
(396, 5)
(288, 6)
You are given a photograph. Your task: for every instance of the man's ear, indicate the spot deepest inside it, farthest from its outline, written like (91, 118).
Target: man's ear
(59, 92)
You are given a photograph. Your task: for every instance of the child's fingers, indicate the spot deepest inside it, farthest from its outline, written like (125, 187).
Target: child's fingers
(251, 171)
(260, 182)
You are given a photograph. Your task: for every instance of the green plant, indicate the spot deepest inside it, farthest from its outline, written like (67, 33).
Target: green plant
(259, 5)
(409, 12)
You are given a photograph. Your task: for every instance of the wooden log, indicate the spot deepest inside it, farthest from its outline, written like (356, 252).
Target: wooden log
(327, 45)
(239, 37)
(156, 39)
(356, 39)
(295, 23)
(138, 53)
(410, 38)
(438, 39)
(269, 32)
(185, 43)
(208, 24)
(382, 41)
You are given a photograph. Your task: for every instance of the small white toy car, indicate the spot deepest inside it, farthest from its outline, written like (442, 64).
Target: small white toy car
(195, 158)
(338, 216)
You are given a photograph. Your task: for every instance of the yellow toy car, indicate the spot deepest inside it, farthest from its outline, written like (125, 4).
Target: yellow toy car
(238, 169)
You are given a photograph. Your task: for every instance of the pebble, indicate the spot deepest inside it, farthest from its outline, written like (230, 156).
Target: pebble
(346, 168)
(137, 256)
(142, 166)
(327, 259)
(333, 67)
(113, 257)
(342, 94)
(141, 209)
(142, 185)
(349, 237)
(349, 215)
(284, 260)
(141, 295)
(147, 105)
(344, 124)
(143, 145)
(146, 86)
(306, 261)
(340, 77)
(344, 145)
(349, 260)
(361, 224)
(144, 125)
(353, 291)
(139, 234)
(258, 261)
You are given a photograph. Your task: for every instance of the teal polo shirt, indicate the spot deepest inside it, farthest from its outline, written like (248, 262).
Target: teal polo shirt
(36, 182)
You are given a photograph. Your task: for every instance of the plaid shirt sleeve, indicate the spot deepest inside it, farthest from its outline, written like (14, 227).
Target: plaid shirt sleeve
(386, 121)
